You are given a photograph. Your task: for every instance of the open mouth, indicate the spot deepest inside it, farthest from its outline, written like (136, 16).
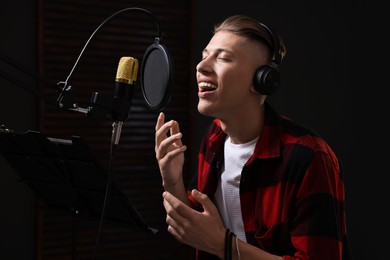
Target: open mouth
(206, 86)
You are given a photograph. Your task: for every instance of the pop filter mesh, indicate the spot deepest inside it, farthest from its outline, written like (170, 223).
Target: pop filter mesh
(156, 77)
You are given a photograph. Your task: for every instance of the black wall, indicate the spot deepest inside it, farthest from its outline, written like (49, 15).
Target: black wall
(330, 82)
(17, 111)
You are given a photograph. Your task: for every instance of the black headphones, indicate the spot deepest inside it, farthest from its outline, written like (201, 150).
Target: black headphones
(267, 77)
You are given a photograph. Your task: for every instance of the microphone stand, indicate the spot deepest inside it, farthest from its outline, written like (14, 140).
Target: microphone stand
(75, 213)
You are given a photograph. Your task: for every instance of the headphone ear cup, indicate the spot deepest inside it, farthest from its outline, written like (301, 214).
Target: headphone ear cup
(266, 80)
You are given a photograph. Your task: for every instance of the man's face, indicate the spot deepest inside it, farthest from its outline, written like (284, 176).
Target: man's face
(225, 75)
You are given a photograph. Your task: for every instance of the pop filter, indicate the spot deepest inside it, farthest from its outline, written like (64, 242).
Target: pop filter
(156, 76)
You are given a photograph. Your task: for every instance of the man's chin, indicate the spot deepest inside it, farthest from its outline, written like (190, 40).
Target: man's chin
(202, 109)
(206, 111)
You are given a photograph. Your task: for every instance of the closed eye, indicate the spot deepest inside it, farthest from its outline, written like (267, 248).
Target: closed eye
(223, 59)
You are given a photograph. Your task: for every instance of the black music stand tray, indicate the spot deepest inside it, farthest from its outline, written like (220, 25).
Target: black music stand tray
(65, 175)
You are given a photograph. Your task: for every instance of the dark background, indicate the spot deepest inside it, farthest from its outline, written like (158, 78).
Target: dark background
(330, 82)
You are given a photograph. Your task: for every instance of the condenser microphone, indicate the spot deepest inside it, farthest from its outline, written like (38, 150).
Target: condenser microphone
(126, 77)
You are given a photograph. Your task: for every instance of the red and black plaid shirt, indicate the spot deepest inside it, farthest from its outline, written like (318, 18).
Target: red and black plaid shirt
(291, 190)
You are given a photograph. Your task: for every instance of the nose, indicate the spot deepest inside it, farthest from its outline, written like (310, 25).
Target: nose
(203, 66)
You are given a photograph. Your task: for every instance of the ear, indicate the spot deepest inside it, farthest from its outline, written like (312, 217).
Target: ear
(253, 89)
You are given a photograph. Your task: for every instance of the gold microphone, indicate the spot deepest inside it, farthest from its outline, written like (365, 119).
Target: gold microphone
(126, 77)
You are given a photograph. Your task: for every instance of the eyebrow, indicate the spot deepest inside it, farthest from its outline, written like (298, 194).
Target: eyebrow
(218, 50)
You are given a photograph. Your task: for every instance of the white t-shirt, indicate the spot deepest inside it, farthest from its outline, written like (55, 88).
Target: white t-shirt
(227, 195)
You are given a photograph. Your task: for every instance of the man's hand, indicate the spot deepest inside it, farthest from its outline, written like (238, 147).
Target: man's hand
(169, 151)
(202, 230)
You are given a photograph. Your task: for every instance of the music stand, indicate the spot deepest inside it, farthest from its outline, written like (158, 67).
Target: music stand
(65, 175)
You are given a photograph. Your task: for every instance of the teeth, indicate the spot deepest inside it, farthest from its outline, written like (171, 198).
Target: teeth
(207, 85)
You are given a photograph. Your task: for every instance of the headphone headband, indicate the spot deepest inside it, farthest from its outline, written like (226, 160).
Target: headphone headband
(276, 57)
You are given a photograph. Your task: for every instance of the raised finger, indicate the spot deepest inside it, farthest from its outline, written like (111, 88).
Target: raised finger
(175, 129)
(162, 130)
(160, 121)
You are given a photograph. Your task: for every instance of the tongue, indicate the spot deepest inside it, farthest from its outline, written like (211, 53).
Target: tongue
(207, 89)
